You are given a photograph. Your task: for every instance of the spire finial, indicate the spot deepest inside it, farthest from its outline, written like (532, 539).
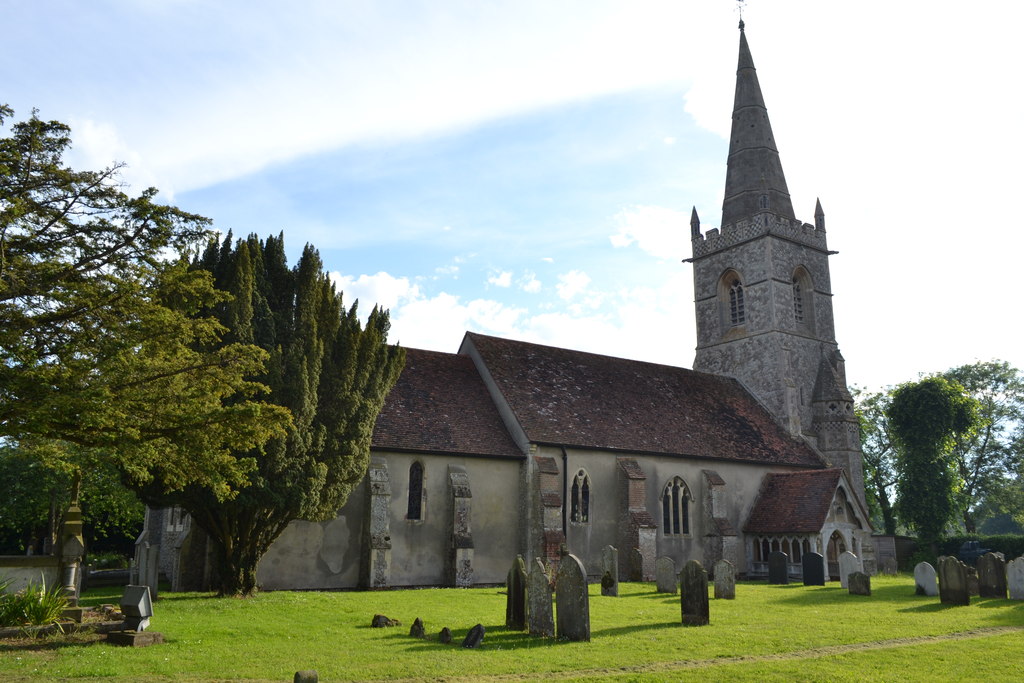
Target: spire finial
(739, 8)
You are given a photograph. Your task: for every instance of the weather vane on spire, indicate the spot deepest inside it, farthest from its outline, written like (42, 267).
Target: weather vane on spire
(740, 4)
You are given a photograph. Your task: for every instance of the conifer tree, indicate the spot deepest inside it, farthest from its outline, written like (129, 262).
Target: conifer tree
(328, 370)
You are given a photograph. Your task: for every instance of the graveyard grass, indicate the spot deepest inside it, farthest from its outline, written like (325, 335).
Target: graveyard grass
(768, 632)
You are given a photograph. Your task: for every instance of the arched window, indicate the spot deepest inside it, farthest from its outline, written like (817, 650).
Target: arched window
(798, 302)
(415, 511)
(763, 202)
(675, 508)
(737, 308)
(581, 498)
(803, 299)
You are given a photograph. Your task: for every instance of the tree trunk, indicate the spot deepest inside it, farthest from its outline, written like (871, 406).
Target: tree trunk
(236, 570)
(970, 526)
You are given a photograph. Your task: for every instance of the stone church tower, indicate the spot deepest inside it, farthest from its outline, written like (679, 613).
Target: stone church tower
(763, 294)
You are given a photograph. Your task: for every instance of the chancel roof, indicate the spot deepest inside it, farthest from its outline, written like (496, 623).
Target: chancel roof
(793, 502)
(571, 398)
(440, 405)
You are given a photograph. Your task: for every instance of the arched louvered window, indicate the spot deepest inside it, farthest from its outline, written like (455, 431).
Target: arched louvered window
(737, 307)
(675, 508)
(580, 510)
(798, 302)
(415, 511)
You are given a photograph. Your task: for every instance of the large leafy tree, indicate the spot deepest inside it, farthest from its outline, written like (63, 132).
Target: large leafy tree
(926, 418)
(101, 341)
(988, 458)
(332, 373)
(879, 454)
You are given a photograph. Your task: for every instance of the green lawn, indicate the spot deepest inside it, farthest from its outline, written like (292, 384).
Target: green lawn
(768, 633)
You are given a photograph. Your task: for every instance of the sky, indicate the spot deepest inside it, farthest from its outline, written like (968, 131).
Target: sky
(527, 168)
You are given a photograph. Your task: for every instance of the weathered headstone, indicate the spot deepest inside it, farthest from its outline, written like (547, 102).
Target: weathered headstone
(860, 583)
(925, 579)
(474, 637)
(515, 602)
(610, 571)
(813, 566)
(693, 586)
(778, 567)
(848, 563)
(381, 621)
(445, 636)
(572, 600)
(953, 582)
(991, 576)
(973, 585)
(890, 566)
(665, 575)
(1015, 578)
(636, 565)
(725, 580)
(539, 615)
(307, 676)
(417, 630)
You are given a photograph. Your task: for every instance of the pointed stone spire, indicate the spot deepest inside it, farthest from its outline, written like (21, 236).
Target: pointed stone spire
(819, 216)
(694, 224)
(754, 181)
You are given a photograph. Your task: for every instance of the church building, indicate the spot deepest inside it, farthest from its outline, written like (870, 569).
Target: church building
(507, 447)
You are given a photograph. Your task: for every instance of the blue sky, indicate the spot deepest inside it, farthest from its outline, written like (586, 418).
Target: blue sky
(527, 168)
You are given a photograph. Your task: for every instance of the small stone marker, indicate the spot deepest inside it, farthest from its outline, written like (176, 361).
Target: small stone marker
(848, 563)
(813, 566)
(694, 599)
(1015, 578)
(381, 621)
(445, 636)
(725, 580)
(610, 571)
(973, 585)
(417, 630)
(860, 583)
(991, 576)
(636, 565)
(539, 615)
(572, 600)
(890, 566)
(925, 580)
(778, 567)
(665, 575)
(307, 676)
(515, 603)
(953, 582)
(474, 637)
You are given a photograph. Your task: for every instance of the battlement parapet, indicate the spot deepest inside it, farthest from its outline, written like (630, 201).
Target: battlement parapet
(759, 225)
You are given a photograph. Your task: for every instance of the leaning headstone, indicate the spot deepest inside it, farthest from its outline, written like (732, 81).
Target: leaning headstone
(991, 576)
(725, 580)
(953, 582)
(572, 600)
(973, 585)
(445, 636)
(665, 575)
(1015, 578)
(539, 615)
(925, 579)
(860, 583)
(778, 567)
(693, 586)
(474, 637)
(610, 571)
(848, 563)
(813, 566)
(417, 630)
(308, 676)
(515, 603)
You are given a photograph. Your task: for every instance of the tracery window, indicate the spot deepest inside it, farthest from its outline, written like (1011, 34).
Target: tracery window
(415, 509)
(581, 498)
(737, 308)
(675, 508)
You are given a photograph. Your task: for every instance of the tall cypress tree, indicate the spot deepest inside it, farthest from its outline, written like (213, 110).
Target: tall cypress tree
(327, 369)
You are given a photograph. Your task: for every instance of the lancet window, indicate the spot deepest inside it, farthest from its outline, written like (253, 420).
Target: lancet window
(675, 508)
(580, 511)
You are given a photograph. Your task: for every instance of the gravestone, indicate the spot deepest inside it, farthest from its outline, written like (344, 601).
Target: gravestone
(307, 676)
(572, 600)
(1015, 578)
(610, 571)
(725, 580)
(515, 601)
(636, 565)
(925, 580)
(417, 630)
(778, 567)
(991, 576)
(860, 583)
(890, 566)
(693, 586)
(813, 566)
(973, 585)
(665, 575)
(445, 636)
(539, 615)
(953, 582)
(848, 563)
(381, 621)
(474, 637)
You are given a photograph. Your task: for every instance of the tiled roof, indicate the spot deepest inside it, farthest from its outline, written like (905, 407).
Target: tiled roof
(440, 405)
(793, 502)
(572, 398)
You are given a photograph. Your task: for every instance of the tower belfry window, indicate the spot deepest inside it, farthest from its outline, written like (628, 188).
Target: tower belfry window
(798, 302)
(763, 202)
(737, 308)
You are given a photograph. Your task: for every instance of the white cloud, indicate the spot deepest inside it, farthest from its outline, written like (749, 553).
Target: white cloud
(382, 289)
(529, 283)
(572, 284)
(661, 232)
(502, 279)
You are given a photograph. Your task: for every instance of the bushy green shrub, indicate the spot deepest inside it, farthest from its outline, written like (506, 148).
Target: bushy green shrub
(35, 605)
